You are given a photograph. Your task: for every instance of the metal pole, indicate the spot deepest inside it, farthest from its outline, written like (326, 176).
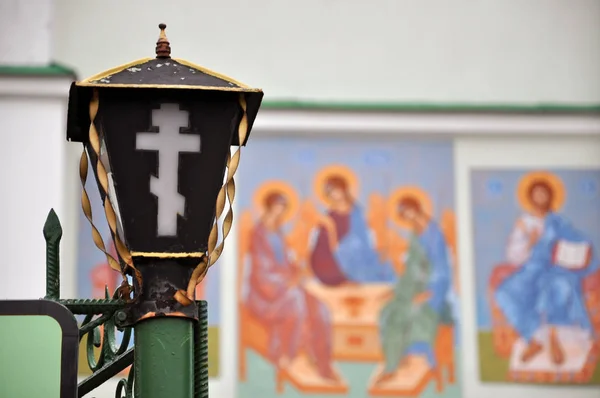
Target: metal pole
(164, 322)
(164, 358)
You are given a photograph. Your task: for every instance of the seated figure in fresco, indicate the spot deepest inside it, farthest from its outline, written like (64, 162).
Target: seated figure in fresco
(553, 259)
(276, 295)
(418, 304)
(343, 252)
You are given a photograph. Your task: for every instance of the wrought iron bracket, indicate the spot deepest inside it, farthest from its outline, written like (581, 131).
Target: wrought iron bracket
(104, 318)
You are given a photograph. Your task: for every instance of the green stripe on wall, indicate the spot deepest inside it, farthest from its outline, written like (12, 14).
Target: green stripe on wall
(56, 69)
(49, 70)
(432, 107)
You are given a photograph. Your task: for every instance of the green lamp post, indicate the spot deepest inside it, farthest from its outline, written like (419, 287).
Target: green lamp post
(157, 134)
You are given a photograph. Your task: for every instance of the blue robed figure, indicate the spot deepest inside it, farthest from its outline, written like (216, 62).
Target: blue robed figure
(543, 291)
(344, 251)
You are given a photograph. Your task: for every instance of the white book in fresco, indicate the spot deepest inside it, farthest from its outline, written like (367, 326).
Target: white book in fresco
(572, 255)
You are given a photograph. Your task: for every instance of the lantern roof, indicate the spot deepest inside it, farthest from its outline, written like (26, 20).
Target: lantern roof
(170, 73)
(165, 72)
(162, 72)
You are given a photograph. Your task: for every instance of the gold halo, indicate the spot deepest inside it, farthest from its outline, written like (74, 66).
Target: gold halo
(553, 181)
(336, 170)
(408, 192)
(282, 188)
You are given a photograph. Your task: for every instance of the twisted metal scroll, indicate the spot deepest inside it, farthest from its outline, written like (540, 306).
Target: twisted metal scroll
(87, 211)
(111, 217)
(114, 357)
(125, 385)
(102, 334)
(103, 319)
(226, 193)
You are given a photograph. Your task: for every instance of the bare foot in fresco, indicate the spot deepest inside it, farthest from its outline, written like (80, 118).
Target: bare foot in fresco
(531, 351)
(556, 351)
(327, 374)
(404, 364)
(330, 375)
(283, 363)
(384, 377)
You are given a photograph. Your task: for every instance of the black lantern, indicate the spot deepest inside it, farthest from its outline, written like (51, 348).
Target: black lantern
(158, 134)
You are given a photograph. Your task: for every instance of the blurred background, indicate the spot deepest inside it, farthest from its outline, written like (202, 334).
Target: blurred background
(473, 90)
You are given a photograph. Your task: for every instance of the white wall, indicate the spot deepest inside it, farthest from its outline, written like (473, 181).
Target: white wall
(469, 51)
(37, 167)
(38, 172)
(25, 32)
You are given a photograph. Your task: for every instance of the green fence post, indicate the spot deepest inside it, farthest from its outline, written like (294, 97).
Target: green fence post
(52, 234)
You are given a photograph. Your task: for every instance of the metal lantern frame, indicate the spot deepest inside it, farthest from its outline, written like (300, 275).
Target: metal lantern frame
(170, 316)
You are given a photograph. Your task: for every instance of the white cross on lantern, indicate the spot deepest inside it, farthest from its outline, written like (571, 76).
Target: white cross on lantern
(169, 143)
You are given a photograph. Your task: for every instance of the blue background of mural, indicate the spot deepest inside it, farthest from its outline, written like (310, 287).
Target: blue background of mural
(381, 166)
(495, 210)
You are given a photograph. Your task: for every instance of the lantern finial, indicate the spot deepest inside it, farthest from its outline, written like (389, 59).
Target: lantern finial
(163, 47)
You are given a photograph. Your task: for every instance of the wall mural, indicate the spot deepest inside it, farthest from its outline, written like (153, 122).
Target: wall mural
(94, 275)
(537, 275)
(347, 269)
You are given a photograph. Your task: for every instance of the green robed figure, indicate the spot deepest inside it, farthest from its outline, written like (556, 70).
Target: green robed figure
(410, 320)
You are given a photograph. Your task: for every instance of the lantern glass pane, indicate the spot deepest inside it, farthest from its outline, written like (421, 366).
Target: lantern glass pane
(171, 140)
(167, 152)
(112, 196)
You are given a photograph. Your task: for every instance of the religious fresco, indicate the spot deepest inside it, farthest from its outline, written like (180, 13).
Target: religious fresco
(536, 235)
(94, 275)
(347, 269)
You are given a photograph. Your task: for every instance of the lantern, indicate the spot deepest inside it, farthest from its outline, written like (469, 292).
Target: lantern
(158, 133)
